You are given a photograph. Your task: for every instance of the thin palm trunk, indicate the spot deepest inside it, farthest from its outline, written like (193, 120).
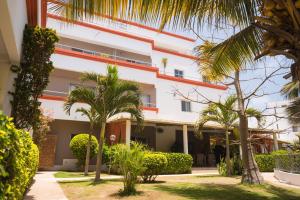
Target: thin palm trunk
(99, 155)
(88, 152)
(227, 159)
(251, 172)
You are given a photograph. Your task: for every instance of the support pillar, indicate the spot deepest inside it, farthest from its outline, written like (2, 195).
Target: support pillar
(128, 132)
(185, 140)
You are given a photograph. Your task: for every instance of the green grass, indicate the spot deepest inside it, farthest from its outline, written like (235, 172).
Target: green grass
(206, 188)
(65, 174)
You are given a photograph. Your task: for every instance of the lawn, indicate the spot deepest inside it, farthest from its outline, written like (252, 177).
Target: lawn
(182, 187)
(65, 174)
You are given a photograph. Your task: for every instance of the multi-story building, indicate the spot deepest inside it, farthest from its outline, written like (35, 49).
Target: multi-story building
(137, 50)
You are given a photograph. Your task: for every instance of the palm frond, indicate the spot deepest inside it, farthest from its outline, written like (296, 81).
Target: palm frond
(291, 89)
(293, 111)
(178, 13)
(219, 60)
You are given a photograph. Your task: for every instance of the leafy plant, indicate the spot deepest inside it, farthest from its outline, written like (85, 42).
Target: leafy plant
(235, 164)
(32, 76)
(265, 162)
(78, 146)
(130, 162)
(19, 158)
(154, 164)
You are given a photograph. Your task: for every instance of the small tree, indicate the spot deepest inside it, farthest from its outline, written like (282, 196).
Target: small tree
(164, 62)
(110, 97)
(130, 161)
(93, 118)
(225, 115)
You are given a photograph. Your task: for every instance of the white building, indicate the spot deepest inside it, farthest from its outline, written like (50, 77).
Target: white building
(288, 132)
(137, 50)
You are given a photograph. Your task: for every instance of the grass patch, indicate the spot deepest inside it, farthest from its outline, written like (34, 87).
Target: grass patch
(65, 174)
(208, 188)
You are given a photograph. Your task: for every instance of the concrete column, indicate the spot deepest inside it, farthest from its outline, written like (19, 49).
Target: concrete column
(128, 132)
(185, 140)
(275, 147)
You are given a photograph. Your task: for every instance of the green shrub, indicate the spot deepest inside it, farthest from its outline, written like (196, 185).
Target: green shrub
(236, 164)
(78, 147)
(178, 163)
(19, 158)
(130, 163)
(155, 164)
(265, 162)
(280, 152)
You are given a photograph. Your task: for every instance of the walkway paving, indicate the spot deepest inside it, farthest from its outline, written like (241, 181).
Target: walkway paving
(269, 178)
(45, 187)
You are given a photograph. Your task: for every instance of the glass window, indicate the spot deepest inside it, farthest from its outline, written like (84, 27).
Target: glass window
(146, 99)
(186, 106)
(178, 73)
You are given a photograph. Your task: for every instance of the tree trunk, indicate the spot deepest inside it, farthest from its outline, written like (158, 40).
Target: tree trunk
(251, 172)
(99, 155)
(227, 159)
(88, 150)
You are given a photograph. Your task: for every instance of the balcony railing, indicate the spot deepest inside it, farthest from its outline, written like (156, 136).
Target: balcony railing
(103, 54)
(65, 94)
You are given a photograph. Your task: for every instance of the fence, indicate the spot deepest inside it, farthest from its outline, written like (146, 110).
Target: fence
(288, 163)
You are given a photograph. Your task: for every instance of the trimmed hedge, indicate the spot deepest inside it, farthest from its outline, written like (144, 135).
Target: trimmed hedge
(155, 164)
(178, 163)
(78, 147)
(19, 158)
(265, 162)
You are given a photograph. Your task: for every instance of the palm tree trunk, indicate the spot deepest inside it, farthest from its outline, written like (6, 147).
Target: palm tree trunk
(251, 172)
(88, 150)
(99, 155)
(228, 164)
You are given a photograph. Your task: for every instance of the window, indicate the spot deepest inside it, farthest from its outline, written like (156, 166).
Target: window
(178, 73)
(146, 99)
(186, 106)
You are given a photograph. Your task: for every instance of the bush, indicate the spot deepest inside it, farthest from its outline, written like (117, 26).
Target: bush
(178, 163)
(19, 158)
(236, 164)
(155, 164)
(130, 163)
(78, 147)
(265, 162)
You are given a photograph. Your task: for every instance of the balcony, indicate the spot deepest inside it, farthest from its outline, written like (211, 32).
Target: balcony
(103, 54)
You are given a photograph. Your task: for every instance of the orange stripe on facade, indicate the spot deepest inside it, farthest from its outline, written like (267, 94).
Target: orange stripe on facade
(137, 66)
(124, 35)
(136, 24)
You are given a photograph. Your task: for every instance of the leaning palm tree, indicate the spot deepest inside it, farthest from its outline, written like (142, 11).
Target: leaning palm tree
(225, 115)
(93, 119)
(111, 96)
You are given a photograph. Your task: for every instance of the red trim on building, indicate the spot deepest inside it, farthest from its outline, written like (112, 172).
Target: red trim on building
(137, 66)
(31, 12)
(124, 35)
(44, 13)
(150, 109)
(138, 25)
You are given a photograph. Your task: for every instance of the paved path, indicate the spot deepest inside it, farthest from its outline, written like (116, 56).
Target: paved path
(45, 187)
(269, 177)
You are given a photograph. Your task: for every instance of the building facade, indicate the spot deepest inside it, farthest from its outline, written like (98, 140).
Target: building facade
(139, 52)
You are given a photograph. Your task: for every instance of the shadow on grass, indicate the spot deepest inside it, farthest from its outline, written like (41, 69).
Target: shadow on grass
(228, 192)
(121, 194)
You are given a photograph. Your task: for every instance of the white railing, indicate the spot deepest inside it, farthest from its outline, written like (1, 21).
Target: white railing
(65, 94)
(103, 54)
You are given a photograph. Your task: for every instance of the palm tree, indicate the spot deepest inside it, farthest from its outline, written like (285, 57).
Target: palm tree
(111, 96)
(93, 118)
(225, 115)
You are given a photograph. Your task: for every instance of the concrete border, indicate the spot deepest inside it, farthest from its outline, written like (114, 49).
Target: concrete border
(289, 178)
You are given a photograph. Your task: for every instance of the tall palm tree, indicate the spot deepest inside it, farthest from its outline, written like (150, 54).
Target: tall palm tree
(111, 96)
(225, 115)
(93, 119)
